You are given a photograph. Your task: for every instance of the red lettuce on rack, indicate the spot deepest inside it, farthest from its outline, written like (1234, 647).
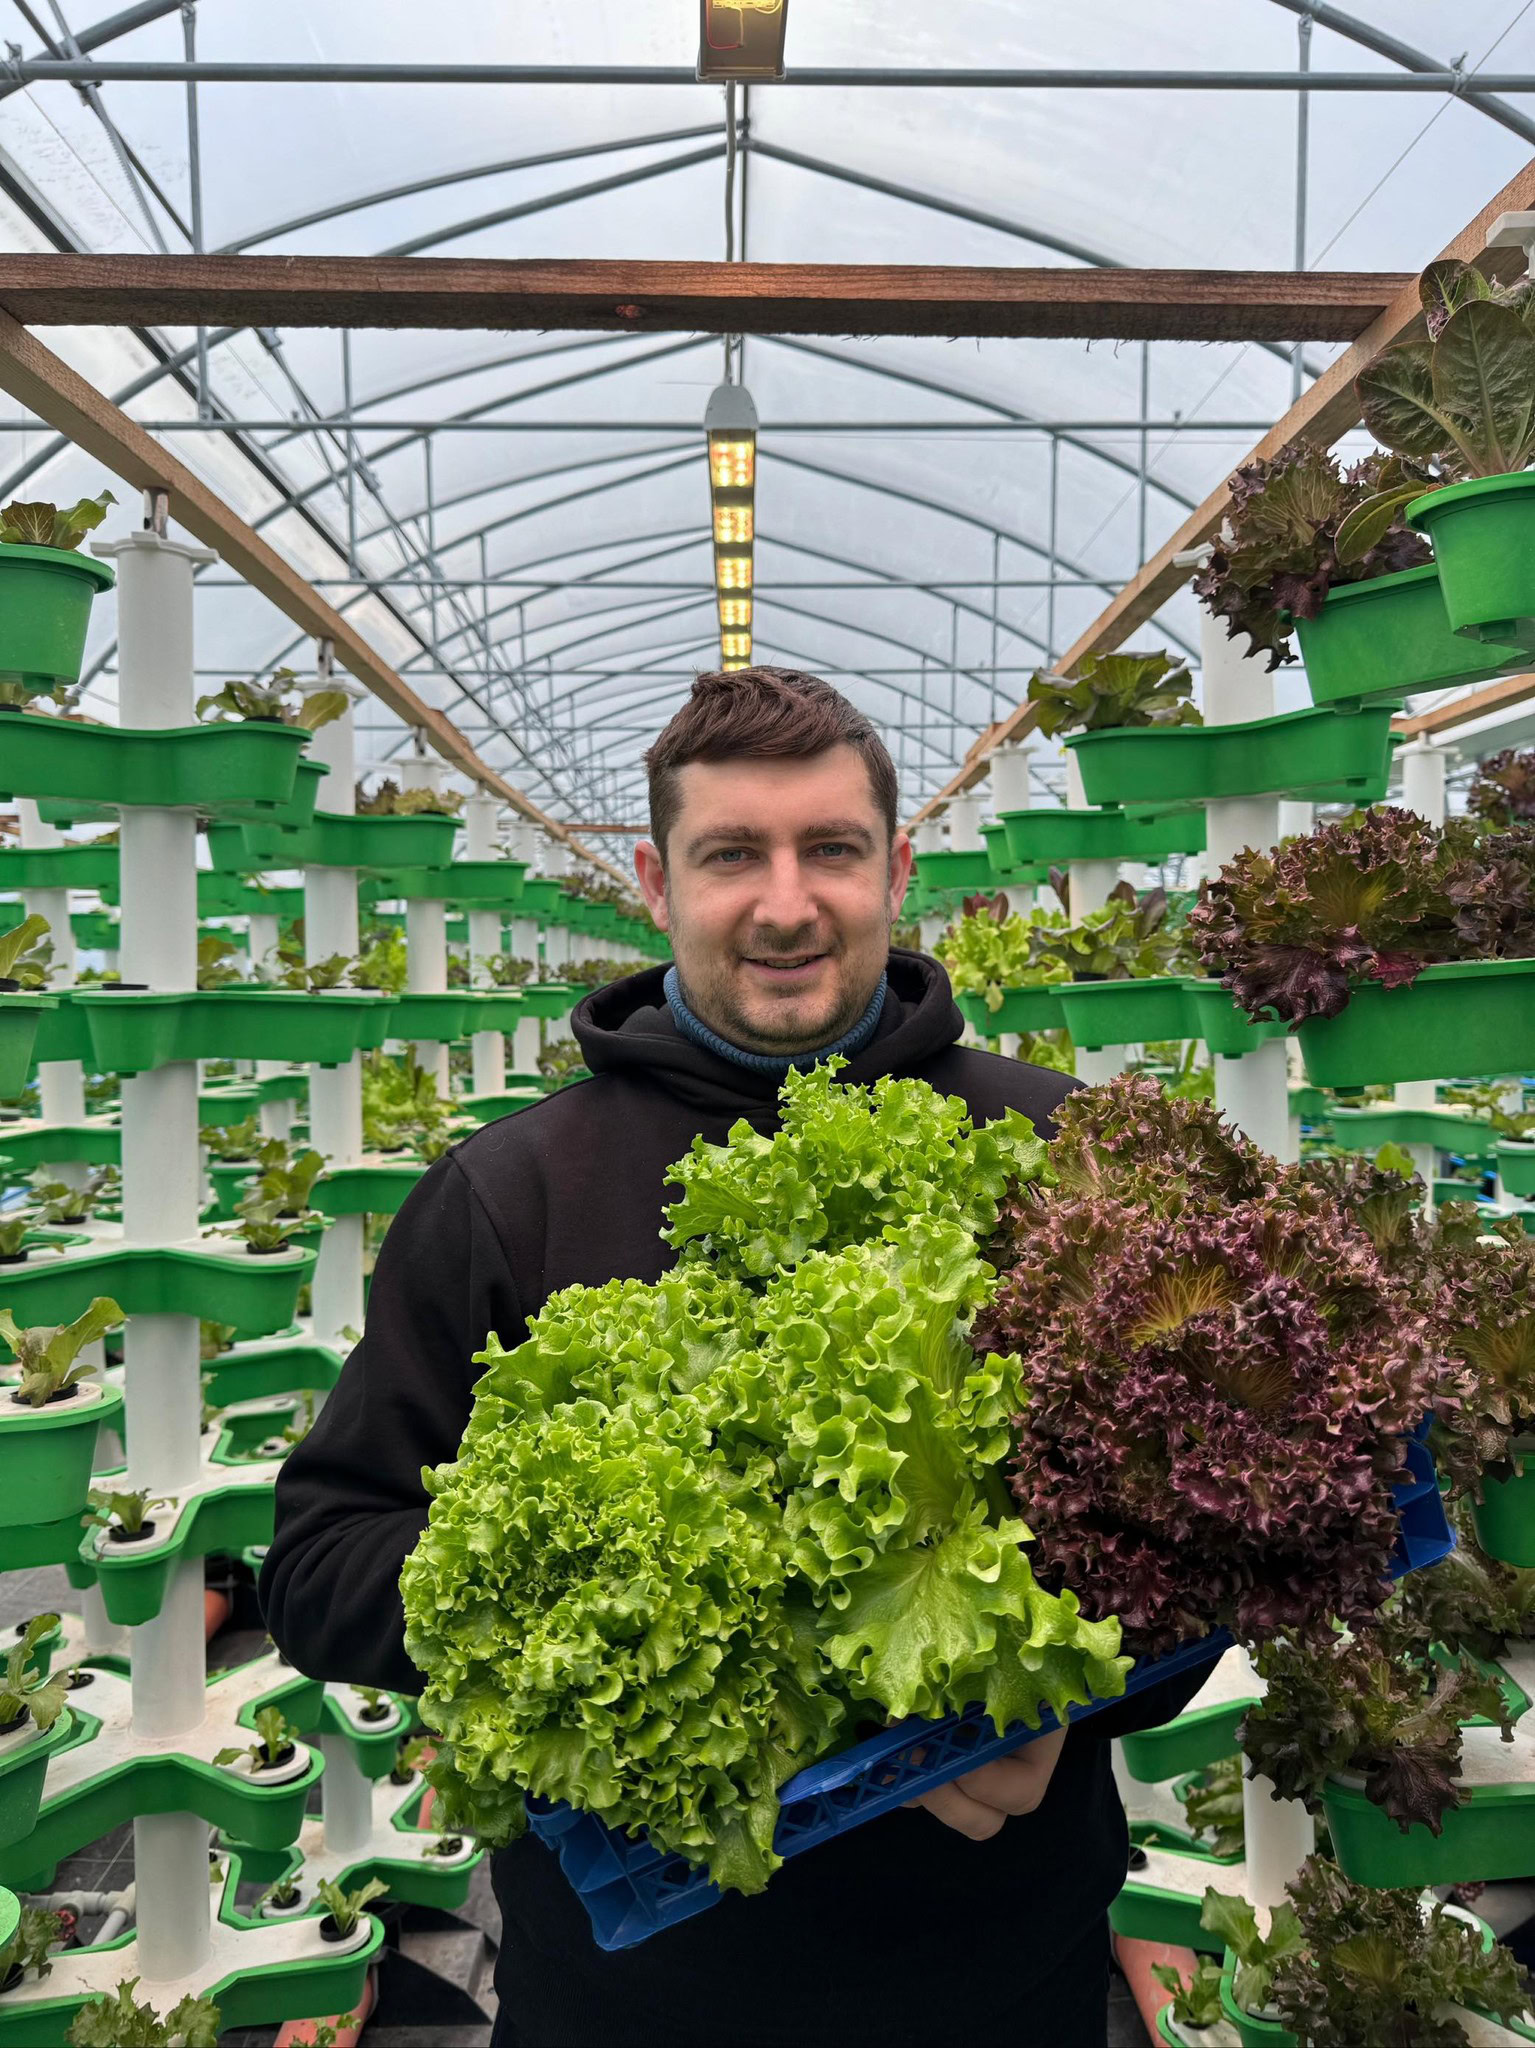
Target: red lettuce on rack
(1219, 1373)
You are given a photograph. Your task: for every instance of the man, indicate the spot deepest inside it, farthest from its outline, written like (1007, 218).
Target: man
(776, 868)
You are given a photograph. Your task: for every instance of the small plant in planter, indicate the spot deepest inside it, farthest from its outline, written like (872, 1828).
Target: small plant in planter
(1197, 2002)
(1301, 526)
(382, 963)
(282, 701)
(120, 2021)
(317, 978)
(1377, 897)
(1116, 690)
(1212, 1805)
(390, 801)
(233, 1143)
(1503, 792)
(274, 1745)
(30, 1947)
(1377, 1705)
(46, 1356)
(217, 961)
(506, 972)
(25, 1692)
(415, 1753)
(15, 1225)
(285, 1895)
(214, 1339)
(1257, 1955)
(125, 1516)
(376, 1703)
(64, 1202)
(22, 963)
(343, 1909)
(41, 525)
(1380, 1966)
(447, 1845)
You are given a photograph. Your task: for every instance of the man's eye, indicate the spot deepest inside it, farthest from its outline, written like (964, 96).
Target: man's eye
(835, 846)
(730, 856)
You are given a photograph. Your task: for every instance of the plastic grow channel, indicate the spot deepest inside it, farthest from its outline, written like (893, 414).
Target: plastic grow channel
(235, 770)
(631, 1889)
(1324, 755)
(1022, 1009)
(20, 1014)
(256, 1293)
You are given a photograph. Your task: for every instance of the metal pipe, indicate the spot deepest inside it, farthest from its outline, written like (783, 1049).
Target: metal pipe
(25, 71)
(195, 175)
(1302, 168)
(349, 423)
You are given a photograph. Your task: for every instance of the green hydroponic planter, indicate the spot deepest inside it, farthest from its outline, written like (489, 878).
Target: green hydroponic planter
(1366, 1130)
(549, 998)
(1198, 1737)
(1006, 873)
(58, 867)
(133, 1577)
(237, 769)
(481, 883)
(135, 1032)
(1483, 534)
(1310, 1105)
(1460, 1017)
(334, 840)
(1389, 637)
(1215, 1018)
(436, 1016)
(232, 1102)
(948, 870)
(227, 1177)
(62, 1032)
(1023, 1009)
(541, 896)
(1505, 1515)
(1490, 1836)
(376, 1188)
(95, 932)
(1253, 2031)
(500, 1009)
(1326, 754)
(1100, 1013)
(20, 1012)
(256, 1294)
(287, 1363)
(489, 1109)
(23, 1767)
(46, 1453)
(1515, 1163)
(46, 596)
(1055, 838)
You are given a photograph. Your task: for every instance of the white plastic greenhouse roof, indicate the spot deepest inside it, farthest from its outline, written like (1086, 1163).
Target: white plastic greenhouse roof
(897, 478)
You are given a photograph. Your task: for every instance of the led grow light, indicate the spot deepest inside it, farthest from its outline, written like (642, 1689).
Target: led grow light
(742, 38)
(731, 424)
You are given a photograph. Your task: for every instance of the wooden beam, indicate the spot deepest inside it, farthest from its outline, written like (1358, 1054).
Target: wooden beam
(1325, 411)
(1498, 696)
(713, 298)
(48, 387)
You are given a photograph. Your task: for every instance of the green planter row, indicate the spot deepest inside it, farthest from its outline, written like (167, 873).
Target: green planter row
(1100, 1013)
(46, 1454)
(46, 596)
(1389, 637)
(235, 770)
(1055, 838)
(1324, 755)
(549, 998)
(256, 1294)
(30, 1144)
(95, 932)
(58, 867)
(286, 1363)
(488, 1109)
(480, 884)
(1483, 535)
(376, 1188)
(1491, 1835)
(1447, 1130)
(439, 1017)
(1252, 2030)
(133, 1032)
(1463, 1017)
(384, 845)
(133, 1577)
(20, 1014)
(231, 1102)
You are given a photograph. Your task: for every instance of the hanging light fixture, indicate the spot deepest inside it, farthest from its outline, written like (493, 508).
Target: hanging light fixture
(742, 39)
(730, 421)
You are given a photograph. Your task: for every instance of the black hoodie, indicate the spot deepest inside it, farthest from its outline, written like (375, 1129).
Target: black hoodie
(902, 1931)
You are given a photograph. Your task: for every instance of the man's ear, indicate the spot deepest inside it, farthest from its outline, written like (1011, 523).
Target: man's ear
(650, 873)
(900, 872)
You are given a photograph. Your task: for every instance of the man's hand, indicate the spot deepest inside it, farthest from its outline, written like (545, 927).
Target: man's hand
(978, 1803)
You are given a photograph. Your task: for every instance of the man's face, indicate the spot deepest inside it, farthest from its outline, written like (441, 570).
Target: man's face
(778, 891)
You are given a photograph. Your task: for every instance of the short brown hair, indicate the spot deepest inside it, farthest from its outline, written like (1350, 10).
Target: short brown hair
(763, 714)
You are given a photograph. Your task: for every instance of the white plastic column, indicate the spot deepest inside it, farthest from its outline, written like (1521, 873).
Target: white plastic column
(1091, 883)
(525, 843)
(965, 837)
(346, 1800)
(275, 1118)
(929, 840)
(335, 1093)
(1254, 1091)
(160, 1202)
(1423, 766)
(488, 1048)
(426, 933)
(60, 1083)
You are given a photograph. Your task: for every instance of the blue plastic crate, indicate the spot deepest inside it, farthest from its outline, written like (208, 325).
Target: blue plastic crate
(631, 1889)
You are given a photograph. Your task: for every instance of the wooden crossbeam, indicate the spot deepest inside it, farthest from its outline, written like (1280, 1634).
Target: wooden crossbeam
(48, 387)
(712, 298)
(1498, 696)
(1326, 410)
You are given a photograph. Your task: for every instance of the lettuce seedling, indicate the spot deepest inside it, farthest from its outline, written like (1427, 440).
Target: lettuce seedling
(1503, 789)
(1257, 1955)
(46, 1355)
(26, 1691)
(31, 1946)
(17, 970)
(1115, 691)
(1197, 2001)
(345, 1908)
(119, 2020)
(40, 525)
(282, 701)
